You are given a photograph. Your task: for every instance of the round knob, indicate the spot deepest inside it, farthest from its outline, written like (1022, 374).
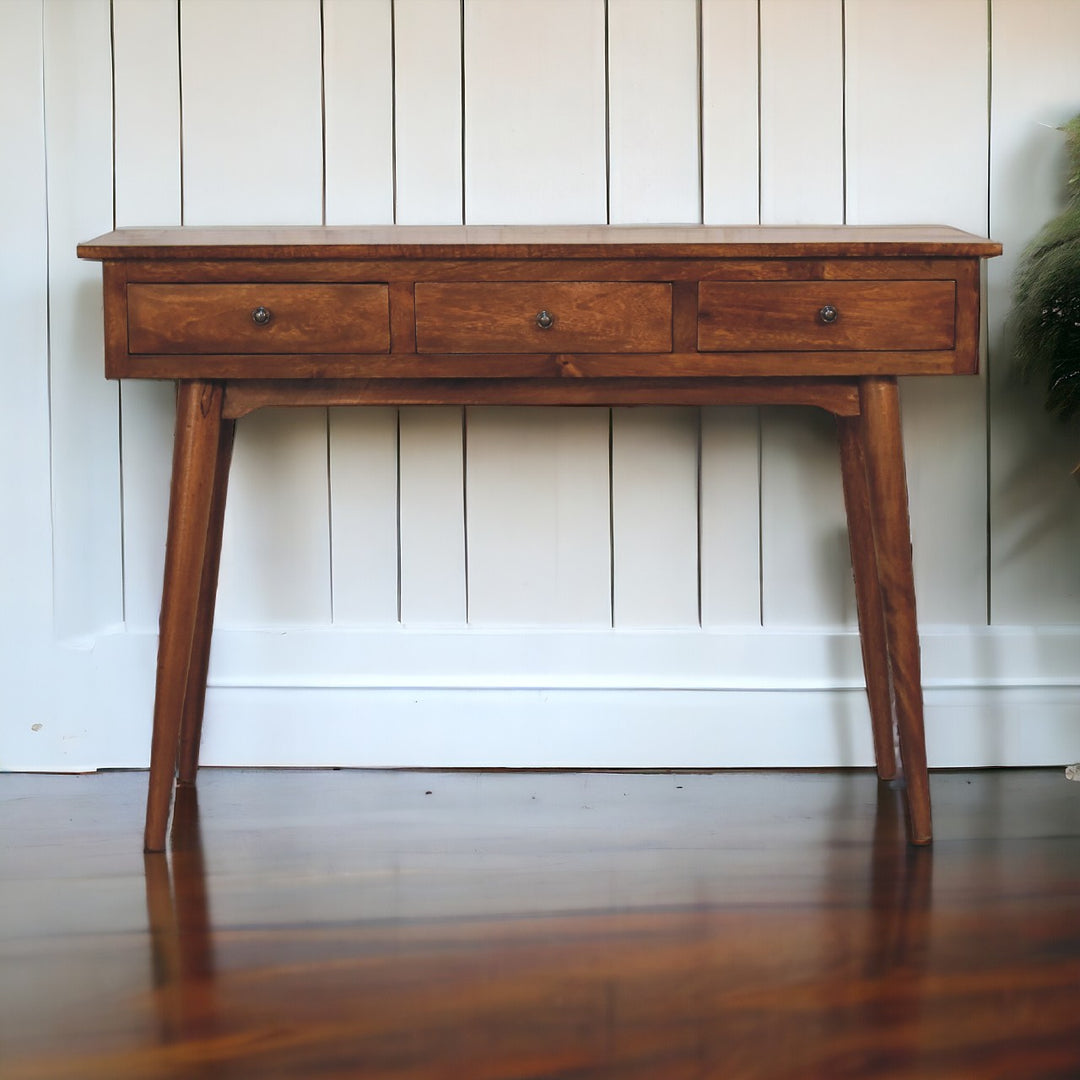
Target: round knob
(828, 314)
(260, 316)
(545, 320)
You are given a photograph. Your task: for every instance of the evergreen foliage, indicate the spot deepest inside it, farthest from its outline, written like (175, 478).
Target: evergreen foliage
(1046, 292)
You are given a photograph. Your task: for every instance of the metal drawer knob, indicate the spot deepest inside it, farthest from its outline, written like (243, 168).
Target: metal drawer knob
(828, 314)
(545, 320)
(260, 316)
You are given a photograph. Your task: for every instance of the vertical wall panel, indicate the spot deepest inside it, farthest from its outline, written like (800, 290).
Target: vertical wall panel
(146, 85)
(802, 112)
(253, 154)
(427, 103)
(427, 94)
(252, 112)
(729, 90)
(917, 151)
(806, 564)
(25, 555)
(146, 75)
(364, 522)
(534, 102)
(359, 109)
(538, 524)
(432, 500)
(730, 438)
(653, 105)
(538, 517)
(729, 530)
(84, 409)
(654, 485)
(653, 109)
(806, 571)
(1034, 507)
(275, 557)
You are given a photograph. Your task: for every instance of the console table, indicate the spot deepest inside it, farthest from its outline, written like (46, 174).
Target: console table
(245, 318)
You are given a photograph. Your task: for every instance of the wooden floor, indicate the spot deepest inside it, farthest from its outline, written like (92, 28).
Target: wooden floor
(475, 926)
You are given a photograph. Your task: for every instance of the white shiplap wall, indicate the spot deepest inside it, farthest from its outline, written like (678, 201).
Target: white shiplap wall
(535, 587)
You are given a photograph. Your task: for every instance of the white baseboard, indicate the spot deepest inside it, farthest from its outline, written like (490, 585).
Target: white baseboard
(624, 729)
(547, 699)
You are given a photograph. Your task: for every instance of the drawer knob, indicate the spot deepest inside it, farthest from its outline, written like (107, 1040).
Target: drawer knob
(828, 314)
(260, 316)
(545, 320)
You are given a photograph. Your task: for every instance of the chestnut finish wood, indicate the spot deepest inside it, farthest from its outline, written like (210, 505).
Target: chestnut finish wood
(689, 315)
(496, 317)
(840, 397)
(220, 318)
(606, 366)
(884, 454)
(760, 926)
(773, 316)
(864, 563)
(195, 694)
(196, 474)
(288, 242)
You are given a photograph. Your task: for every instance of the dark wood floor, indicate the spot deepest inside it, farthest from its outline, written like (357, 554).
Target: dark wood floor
(476, 926)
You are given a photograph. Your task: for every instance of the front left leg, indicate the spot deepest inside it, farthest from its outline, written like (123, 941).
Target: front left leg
(196, 449)
(195, 696)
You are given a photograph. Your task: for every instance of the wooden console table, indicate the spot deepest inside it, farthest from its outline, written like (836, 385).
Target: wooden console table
(594, 315)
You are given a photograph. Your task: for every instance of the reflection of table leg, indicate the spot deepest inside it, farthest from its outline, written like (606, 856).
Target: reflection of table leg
(883, 447)
(196, 450)
(179, 915)
(195, 696)
(867, 594)
(900, 896)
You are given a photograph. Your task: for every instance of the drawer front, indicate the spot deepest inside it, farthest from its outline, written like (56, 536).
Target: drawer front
(543, 317)
(783, 316)
(252, 319)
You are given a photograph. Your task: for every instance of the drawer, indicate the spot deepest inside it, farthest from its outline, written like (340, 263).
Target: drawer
(783, 316)
(585, 316)
(242, 319)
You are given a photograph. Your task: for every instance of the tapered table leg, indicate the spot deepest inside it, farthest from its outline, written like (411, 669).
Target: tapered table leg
(883, 446)
(196, 447)
(195, 695)
(872, 635)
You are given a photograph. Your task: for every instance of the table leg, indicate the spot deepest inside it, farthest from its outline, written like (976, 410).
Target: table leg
(864, 565)
(195, 695)
(879, 401)
(196, 448)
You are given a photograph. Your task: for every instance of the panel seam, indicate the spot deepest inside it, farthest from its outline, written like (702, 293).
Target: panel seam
(48, 322)
(983, 314)
(120, 382)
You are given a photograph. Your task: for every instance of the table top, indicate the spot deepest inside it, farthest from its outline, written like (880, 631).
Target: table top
(536, 241)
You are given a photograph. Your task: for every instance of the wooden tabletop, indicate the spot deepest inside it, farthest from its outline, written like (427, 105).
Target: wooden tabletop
(536, 241)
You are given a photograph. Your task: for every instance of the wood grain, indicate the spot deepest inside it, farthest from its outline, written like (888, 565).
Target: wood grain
(492, 925)
(883, 449)
(586, 316)
(839, 396)
(872, 637)
(775, 316)
(191, 719)
(536, 241)
(537, 365)
(197, 447)
(219, 318)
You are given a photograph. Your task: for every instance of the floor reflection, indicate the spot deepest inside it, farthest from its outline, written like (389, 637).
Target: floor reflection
(182, 942)
(838, 962)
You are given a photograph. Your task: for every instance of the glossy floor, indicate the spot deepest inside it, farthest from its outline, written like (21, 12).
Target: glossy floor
(463, 925)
